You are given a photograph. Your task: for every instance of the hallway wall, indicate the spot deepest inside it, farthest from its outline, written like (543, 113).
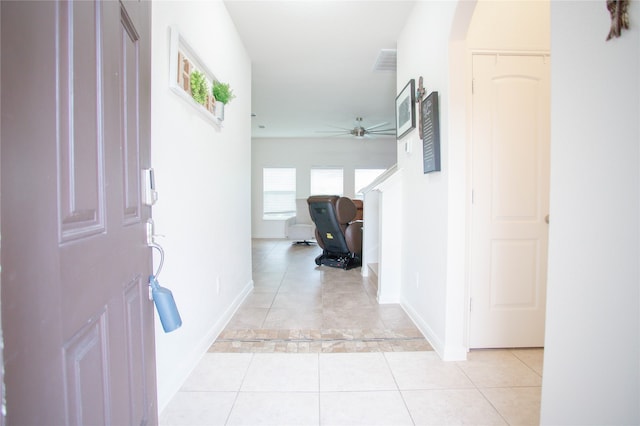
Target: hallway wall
(592, 354)
(423, 51)
(203, 180)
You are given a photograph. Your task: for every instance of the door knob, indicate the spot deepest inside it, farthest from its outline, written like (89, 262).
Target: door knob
(546, 219)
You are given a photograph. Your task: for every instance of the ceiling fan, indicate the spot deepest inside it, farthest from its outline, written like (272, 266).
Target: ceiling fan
(359, 131)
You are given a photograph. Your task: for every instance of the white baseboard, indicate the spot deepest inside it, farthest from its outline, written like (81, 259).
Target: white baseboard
(182, 372)
(455, 353)
(444, 352)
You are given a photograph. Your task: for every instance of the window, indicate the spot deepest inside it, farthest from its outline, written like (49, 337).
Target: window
(279, 193)
(364, 177)
(326, 181)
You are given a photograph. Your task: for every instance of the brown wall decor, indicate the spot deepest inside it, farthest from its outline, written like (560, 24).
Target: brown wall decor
(619, 17)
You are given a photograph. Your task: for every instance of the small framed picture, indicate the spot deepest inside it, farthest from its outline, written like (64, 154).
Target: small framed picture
(406, 109)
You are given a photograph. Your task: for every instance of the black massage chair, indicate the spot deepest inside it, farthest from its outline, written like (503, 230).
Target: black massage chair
(337, 233)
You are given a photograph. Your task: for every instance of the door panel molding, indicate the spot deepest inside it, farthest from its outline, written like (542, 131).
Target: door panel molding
(130, 137)
(81, 208)
(86, 362)
(508, 289)
(519, 159)
(134, 322)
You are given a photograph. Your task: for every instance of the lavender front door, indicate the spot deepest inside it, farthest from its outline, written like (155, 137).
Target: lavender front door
(76, 317)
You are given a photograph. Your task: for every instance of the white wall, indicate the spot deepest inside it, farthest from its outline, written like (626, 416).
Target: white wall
(434, 288)
(203, 180)
(510, 26)
(592, 355)
(423, 51)
(303, 154)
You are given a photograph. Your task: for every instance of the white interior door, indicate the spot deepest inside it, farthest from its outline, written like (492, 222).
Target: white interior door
(510, 162)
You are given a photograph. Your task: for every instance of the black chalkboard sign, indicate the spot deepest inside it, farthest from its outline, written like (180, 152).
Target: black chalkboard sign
(430, 117)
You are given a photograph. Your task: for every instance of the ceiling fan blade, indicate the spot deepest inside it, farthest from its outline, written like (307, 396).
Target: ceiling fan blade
(340, 135)
(376, 126)
(335, 134)
(359, 131)
(383, 132)
(346, 129)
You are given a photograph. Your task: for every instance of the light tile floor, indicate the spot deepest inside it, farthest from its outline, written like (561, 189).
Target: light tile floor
(385, 375)
(297, 306)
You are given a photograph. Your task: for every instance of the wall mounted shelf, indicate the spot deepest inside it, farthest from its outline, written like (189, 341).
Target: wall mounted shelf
(183, 61)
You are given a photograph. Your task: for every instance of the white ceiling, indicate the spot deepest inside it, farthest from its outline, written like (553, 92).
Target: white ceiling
(312, 63)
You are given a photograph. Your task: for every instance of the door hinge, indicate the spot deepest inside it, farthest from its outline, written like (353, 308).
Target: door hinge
(472, 196)
(473, 81)
(470, 304)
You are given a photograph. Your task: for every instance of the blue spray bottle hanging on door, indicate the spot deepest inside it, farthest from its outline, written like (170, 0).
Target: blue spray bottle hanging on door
(163, 298)
(165, 305)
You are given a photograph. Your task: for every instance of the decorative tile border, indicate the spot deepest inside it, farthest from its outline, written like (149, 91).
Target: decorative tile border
(333, 340)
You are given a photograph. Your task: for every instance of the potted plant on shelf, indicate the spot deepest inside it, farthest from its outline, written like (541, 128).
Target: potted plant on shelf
(223, 95)
(199, 87)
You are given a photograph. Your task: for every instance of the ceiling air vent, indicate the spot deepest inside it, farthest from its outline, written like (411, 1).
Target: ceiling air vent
(386, 60)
